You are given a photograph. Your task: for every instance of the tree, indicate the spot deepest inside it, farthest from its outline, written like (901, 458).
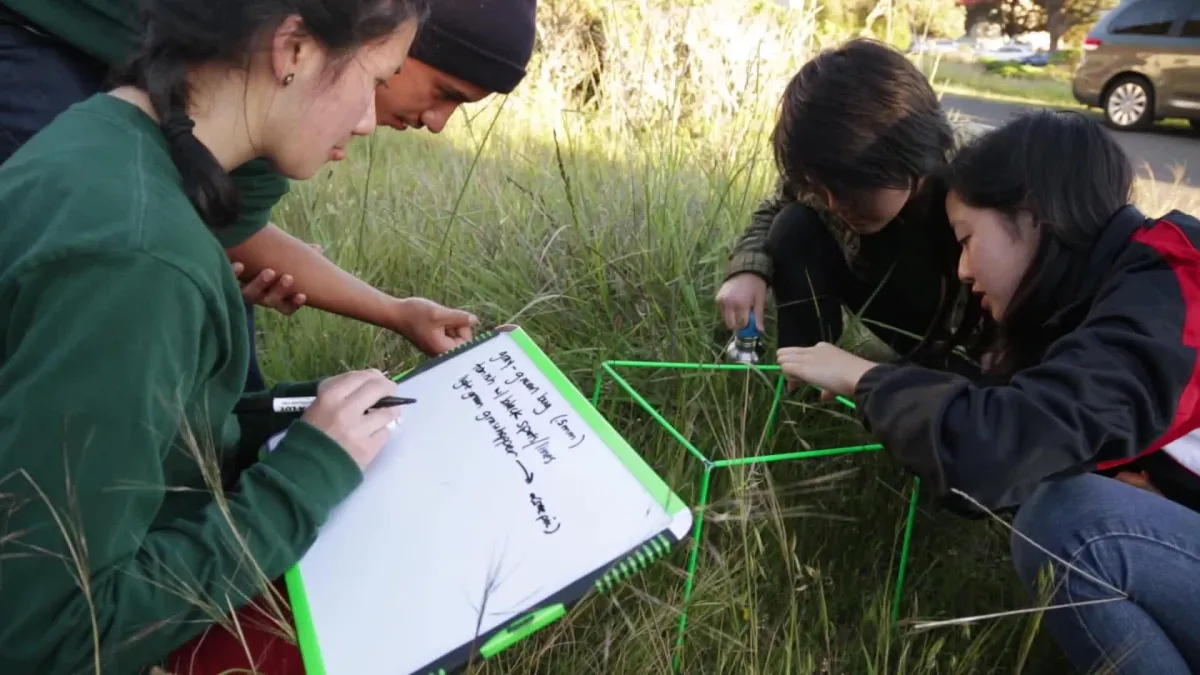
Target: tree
(937, 18)
(1062, 15)
(1056, 17)
(1014, 17)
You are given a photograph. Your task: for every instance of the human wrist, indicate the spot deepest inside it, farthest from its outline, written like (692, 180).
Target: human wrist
(857, 373)
(399, 315)
(380, 310)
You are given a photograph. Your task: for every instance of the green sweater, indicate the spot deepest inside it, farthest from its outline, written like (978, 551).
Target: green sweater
(122, 352)
(108, 31)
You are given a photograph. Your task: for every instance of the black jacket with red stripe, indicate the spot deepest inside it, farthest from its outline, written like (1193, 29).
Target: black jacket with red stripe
(1108, 394)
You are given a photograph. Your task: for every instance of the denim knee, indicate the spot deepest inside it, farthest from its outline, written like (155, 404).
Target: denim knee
(1051, 516)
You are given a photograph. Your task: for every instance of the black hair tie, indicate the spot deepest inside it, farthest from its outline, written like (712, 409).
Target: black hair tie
(177, 127)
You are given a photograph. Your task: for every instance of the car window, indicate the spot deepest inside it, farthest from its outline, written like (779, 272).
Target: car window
(1191, 26)
(1150, 17)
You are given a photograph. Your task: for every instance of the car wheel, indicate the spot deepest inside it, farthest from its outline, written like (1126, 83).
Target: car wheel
(1129, 103)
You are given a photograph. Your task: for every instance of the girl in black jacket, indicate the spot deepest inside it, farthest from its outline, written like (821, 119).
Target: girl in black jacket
(1087, 418)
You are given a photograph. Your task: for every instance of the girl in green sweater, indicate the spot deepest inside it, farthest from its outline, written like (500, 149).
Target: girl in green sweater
(134, 511)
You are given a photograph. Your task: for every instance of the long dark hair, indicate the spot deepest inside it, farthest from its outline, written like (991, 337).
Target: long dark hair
(859, 117)
(181, 34)
(960, 322)
(1068, 173)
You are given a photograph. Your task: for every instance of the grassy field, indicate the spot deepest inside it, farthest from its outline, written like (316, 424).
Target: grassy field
(602, 229)
(608, 241)
(1049, 86)
(608, 247)
(595, 208)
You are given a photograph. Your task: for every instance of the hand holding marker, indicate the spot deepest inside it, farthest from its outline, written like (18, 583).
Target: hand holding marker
(351, 409)
(298, 404)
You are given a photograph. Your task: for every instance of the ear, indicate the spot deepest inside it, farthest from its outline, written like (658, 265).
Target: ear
(1026, 222)
(291, 47)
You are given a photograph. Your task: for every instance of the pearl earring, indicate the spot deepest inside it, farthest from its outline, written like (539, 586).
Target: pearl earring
(288, 79)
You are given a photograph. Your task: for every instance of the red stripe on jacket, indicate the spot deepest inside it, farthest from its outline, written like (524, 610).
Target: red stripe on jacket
(1183, 258)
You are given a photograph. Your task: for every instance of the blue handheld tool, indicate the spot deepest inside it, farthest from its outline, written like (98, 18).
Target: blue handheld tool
(743, 348)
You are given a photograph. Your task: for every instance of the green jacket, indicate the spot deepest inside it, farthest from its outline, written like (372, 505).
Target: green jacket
(134, 510)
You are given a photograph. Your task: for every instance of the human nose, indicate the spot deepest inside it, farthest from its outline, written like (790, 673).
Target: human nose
(964, 268)
(435, 120)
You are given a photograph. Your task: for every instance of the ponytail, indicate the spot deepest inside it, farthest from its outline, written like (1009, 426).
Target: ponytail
(163, 76)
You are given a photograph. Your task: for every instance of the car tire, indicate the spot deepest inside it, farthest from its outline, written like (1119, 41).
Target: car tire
(1128, 103)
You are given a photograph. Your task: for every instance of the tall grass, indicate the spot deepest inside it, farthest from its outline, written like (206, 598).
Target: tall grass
(601, 223)
(595, 207)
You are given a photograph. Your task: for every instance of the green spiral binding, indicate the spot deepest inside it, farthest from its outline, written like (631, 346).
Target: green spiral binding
(486, 335)
(638, 560)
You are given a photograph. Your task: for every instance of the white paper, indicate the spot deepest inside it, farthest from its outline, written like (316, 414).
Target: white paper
(454, 515)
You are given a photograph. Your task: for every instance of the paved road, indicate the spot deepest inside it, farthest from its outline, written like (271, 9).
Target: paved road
(1157, 154)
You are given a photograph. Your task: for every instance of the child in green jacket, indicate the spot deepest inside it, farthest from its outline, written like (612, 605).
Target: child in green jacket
(134, 510)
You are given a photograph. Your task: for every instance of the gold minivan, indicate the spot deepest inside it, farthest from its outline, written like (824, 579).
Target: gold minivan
(1141, 63)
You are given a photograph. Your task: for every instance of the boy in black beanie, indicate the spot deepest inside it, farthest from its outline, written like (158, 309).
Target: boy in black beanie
(465, 51)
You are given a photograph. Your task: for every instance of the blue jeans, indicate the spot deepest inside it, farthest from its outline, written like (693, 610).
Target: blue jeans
(40, 77)
(1134, 540)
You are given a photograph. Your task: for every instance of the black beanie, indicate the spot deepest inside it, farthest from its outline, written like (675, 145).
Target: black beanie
(484, 42)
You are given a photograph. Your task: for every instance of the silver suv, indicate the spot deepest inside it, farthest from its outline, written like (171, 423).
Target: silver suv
(1141, 63)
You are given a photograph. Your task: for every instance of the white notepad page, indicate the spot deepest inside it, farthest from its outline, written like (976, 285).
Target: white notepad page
(491, 490)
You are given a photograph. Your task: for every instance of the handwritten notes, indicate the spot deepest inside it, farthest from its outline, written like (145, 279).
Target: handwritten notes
(492, 494)
(518, 415)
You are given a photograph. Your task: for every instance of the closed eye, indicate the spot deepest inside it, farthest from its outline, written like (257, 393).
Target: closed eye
(450, 95)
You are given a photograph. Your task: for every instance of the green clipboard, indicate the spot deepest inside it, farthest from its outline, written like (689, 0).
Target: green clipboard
(413, 622)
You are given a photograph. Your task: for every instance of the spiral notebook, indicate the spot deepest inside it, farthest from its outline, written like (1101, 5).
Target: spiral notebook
(501, 500)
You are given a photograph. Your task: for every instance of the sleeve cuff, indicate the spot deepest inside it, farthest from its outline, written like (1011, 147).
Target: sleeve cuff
(317, 465)
(866, 386)
(751, 262)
